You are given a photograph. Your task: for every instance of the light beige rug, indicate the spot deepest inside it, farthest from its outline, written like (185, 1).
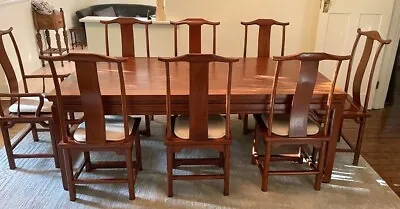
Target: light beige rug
(37, 184)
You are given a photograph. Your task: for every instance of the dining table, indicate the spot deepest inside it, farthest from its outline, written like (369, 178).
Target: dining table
(252, 78)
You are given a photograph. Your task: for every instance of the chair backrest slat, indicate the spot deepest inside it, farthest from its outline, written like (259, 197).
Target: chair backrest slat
(371, 37)
(127, 35)
(198, 93)
(7, 65)
(195, 25)
(264, 36)
(308, 73)
(90, 93)
(92, 103)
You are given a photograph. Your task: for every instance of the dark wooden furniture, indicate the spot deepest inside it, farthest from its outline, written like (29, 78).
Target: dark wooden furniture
(354, 109)
(195, 25)
(251, 87)
(98, 132)
(54, 22)
(264, 46)
(128, 46)
(295, 127)
(127, 35)
(78, 37)
(28, 108)
(198, 129)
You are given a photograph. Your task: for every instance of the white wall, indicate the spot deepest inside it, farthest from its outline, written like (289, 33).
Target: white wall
(19, 16)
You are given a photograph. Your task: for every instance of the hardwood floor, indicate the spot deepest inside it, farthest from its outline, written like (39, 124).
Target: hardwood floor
(381, 145)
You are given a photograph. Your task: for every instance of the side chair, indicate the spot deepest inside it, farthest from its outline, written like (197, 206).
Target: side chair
(198, 129)
(24, 108)
(98, 133)
(295, 128)
(128, 45)
(356, 108)
(195, 26)
(263, 48)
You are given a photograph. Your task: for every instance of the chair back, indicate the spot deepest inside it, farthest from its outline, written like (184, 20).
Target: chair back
(371, 37)
(90, 94)
(127, 35)
(264, 36)
(6, 63)
(308, 72)
(195, 25)
(198, 93)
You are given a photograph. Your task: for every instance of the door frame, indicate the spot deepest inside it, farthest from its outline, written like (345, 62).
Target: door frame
(388, 60)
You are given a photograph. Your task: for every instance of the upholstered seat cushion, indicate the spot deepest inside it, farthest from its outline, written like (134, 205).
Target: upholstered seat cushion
(280, 125)
(114, 128)
(216, 127)
(30, 105)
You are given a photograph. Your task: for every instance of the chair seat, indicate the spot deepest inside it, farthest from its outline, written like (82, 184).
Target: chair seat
(114, 129)
(281, 122)
(30, 105)
(216, 127)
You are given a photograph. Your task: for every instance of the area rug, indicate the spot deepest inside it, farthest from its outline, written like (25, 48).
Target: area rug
(37, 184)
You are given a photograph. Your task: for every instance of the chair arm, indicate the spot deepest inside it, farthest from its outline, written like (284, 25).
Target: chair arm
(19, 95)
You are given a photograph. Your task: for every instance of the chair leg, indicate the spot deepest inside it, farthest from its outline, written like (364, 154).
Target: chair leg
(227, 156)
(88, 163)
(255, 147)
(54, 145)
(130, 170)
(34, 132)
(357, 151)
(147, 121)
(170, 164)
(70, 175)
(246, 124)
(321, 164)
(221, 160)
(8, 146)
(138, 152)
(240, 116)
(265, 174)
(152, 117)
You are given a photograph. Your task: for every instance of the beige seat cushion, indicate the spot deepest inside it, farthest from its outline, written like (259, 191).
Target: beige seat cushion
(281, 125)
(216, 127)
(114, 128)
(30, 105)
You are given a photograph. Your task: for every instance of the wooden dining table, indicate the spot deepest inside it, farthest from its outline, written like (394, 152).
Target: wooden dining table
(145, 81)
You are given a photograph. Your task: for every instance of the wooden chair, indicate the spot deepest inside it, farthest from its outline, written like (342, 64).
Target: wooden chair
(264, 47)
(195, 25)
(354, 109)
(98, 132)
(198, 129)
(31, 108)
(295, 128)
(128, 45)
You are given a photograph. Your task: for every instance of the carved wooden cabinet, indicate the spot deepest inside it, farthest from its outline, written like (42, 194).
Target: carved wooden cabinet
(47, 23)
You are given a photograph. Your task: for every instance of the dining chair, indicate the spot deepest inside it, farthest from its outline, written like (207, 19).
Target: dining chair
(295, 128)
(198, 129)
(263, 48)
(195, 26)
(23, 108)
(354, 108)
(98, 132)
(128, 45)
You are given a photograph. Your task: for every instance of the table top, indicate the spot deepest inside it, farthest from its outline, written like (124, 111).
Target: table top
(146, 76)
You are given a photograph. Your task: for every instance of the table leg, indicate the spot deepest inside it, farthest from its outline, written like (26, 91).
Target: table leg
(335, 133)
(57, 135)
